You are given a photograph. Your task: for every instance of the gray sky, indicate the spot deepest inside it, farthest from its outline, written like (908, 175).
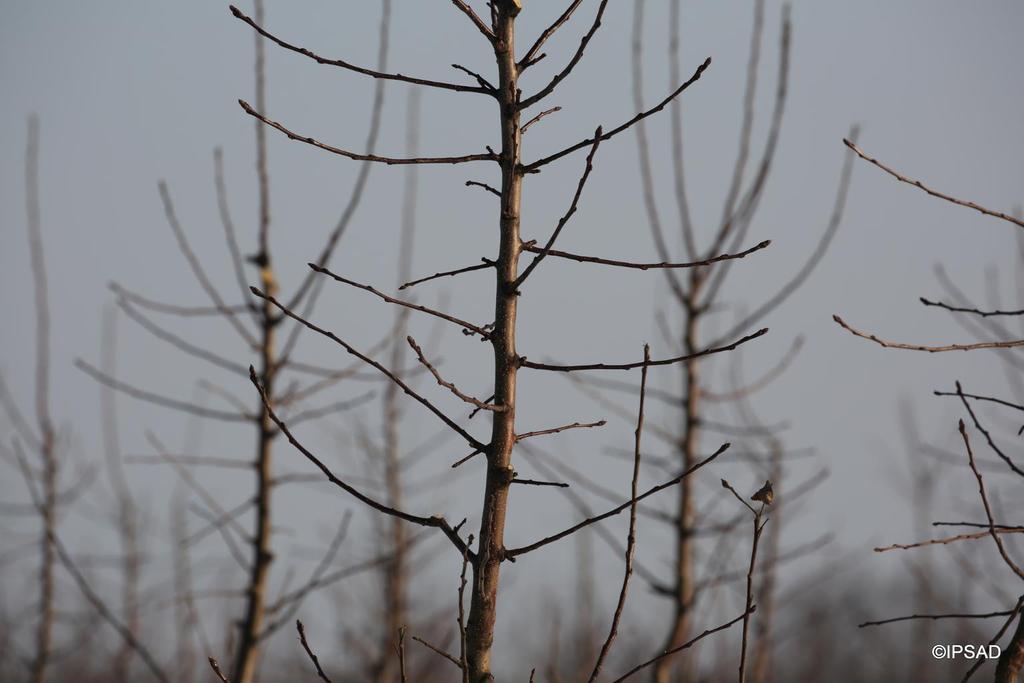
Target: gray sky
(129, 93)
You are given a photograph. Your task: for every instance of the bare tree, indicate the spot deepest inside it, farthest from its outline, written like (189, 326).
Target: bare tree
(126, 513)
(987, 323)
(45, 438)
(510, 284)
(48, 491)
(698, 299)
(262, 333)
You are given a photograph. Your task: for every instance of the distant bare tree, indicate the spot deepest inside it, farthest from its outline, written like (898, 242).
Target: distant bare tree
(699, 299)
(986, 323)
(262, 332)
(46, 483)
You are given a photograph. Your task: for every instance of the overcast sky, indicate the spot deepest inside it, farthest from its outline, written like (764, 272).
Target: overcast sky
(132, 92)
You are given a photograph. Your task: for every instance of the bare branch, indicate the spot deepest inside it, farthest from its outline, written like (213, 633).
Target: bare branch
(767, 378)
(484, 83)
(631, 535)
(174, 309)
(312, 657)
(533, 248)
(936, 617)
(533, 55)
(149, 397)
(216, 670)
(197, 268)
(975, 311)
(448, 385)
(630, 366)
(988, 510)
(475, 18)
(482, 186)
(448, 273)
(682, 647)
(512, 553)
(390, 161)
(557, 430)
(568, 214)
(529, 168)
(310, 284)
(534, 482)
(179, 343)
(352, 67)
(787, 290)
(435, 521)
(537, 118)
(942, 541)
(369, 361)
(438, 651)
(230, 236)
(995, 639)
(561, 75)
(990, 399)
(391, 300)
(83, 585)
(918, 184)
(988, 436)
(929, 349)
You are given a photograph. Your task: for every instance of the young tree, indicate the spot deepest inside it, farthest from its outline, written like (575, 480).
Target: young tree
(47, 483)
(511, 279)
(263, 333)
(699, 299)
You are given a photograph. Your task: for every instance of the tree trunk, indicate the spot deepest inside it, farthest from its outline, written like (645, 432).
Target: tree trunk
(684, 581)
(491, 550)
(1012, 660)
(247, 657)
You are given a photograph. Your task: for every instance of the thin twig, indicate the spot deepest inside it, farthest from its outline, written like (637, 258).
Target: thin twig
(929, 349)
(531, 247)
(448, 385)
(483, 186)
(352, 67)
(515, 552)
(988, 510)
(975, 311)
(577, 56)
(435, 521)
(475, 18)
(391, 300)
(312, 657)
(631, 366)
(529, 168)
(448, 273)
(680, 648)
(538, 117)
(437, 650)
(918, 184)
(936, 617)
(390, 161)
(568, 214)
(631, 534)
(369, 361)
(557, 430)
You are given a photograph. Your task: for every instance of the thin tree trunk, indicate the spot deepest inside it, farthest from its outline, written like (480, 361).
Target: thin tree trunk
(683, 590)
(127, 522)
(1011, 662)
(486, 568)
(396, 570)
(248, 654)
(47, 438)
(44, 627)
